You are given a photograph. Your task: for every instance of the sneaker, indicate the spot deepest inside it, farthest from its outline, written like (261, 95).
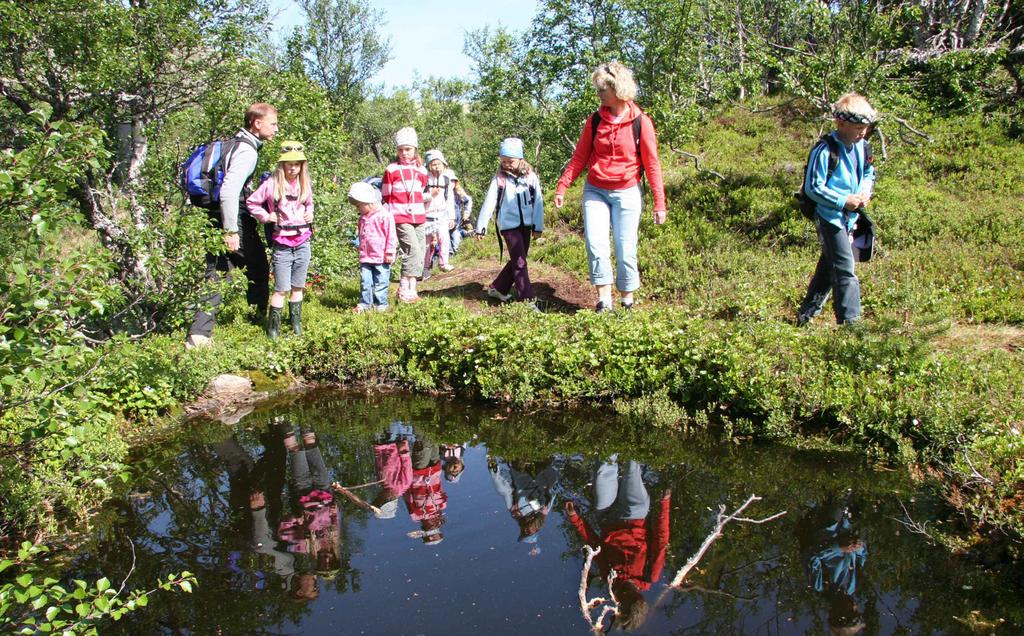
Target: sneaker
(382, 308)
(625, 305)
(447, 268)
(426, 275)
(532, 305)
(497, 295)
(358, 309)
(602, 308)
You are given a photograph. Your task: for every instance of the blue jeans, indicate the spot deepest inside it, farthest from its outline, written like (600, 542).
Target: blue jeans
(617, 211)
(619, 493)
(834, 274)
(456, 239)
(373, 284)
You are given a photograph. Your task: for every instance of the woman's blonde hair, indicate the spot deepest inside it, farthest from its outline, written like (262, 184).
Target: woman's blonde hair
(305, 185)
(618, 77)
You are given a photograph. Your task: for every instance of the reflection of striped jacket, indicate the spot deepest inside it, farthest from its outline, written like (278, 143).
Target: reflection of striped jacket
(425, 497)
(402, 191)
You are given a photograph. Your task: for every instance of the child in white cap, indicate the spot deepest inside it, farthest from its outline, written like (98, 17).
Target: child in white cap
(440, 210)
(404, 191)
(378, 241)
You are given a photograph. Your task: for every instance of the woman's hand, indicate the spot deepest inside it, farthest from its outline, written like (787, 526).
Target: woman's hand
(536, 234)
(660, 216)
(559, 200)
(451, 225)
(570, 508)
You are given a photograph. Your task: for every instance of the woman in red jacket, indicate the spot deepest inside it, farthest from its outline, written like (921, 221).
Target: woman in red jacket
(616, 147)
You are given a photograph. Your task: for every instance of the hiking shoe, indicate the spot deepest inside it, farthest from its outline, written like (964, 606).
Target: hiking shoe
(532, 306)
(381, 308)
(602, 308)
(497, 295)
(426, 275)
(625, 305)
(447, 268)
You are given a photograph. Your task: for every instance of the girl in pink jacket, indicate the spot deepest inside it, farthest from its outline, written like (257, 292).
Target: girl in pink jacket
(378, 241)
(286, 200)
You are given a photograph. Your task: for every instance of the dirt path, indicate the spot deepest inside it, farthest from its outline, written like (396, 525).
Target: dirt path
(557, 291)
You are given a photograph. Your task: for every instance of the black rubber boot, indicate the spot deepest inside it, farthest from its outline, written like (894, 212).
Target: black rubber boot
(295, 313)
(274, 322)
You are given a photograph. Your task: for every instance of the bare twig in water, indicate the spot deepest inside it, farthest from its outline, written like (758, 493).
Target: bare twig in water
(341, 490)
(606, 605)
(716, 533)
(914, 526)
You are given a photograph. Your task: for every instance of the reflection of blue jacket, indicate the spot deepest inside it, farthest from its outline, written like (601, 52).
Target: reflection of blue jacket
(521, 490)
(852, 175)
(840, 567)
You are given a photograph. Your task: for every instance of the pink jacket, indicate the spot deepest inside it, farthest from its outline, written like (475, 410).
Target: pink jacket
(290, 212)
(394, 466)
(377, 237)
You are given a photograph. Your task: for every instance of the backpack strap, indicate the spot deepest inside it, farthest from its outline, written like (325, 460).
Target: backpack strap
(502, 181)
(636, 127)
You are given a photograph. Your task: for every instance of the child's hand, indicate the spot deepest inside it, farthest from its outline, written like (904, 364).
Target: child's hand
(307, 217)
(570, 508)
(389, 258)
(272, 218)
(479, 236)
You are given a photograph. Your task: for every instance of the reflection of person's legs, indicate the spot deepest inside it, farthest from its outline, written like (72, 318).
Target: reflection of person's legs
(502, 483)
(317, 468)
(606, 484)
(424, 453)
(633, 500)
(301, 476)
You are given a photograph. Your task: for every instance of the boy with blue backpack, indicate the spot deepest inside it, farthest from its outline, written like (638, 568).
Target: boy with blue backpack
(220, 183)
(838, 184)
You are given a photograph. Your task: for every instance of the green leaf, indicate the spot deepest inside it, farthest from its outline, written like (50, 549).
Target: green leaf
(103, 584)
(143, 600)
(82, 610)
(187, 586)
(24, 580)
(41, 304)
(52, 611)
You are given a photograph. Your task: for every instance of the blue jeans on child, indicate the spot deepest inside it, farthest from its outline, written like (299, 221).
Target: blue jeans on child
(619, 211)
(834, 274)
(373, 283)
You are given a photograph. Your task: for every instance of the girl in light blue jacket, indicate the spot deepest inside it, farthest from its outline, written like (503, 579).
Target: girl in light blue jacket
(515, 197)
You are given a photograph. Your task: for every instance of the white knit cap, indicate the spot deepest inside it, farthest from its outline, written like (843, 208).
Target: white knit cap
(363, 192)
(407, 137)
(433, 154)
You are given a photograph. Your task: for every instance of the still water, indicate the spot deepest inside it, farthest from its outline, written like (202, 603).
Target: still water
(460, 519)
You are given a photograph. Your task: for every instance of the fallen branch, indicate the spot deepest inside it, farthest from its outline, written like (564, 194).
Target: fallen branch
(341, 490)
(696, 162)
(914, 526)
(903, 122)
(606, 605)
(716, 533)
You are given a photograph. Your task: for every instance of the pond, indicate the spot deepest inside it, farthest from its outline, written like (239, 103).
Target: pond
(454, 520)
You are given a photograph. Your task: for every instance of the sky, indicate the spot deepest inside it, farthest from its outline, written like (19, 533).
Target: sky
(426, 37)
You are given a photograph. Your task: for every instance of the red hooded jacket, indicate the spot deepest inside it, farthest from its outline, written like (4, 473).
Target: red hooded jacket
(635, 551)
(611, 160)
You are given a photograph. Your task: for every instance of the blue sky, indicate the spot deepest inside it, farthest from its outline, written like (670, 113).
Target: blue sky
(426, 37)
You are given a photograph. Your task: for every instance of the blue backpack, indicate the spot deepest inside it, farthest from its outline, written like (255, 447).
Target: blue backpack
(203, 172)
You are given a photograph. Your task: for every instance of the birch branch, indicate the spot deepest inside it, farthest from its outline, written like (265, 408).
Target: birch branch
(606, 605)
(716, 533)
(696, 162)
(341, 490)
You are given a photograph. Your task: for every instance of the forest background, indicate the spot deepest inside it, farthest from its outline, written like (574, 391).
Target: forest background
(100, 101)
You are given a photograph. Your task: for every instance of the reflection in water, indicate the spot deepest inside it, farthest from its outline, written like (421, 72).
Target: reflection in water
(293, 528)
(834, 556)
(632, 542)
(528, 498)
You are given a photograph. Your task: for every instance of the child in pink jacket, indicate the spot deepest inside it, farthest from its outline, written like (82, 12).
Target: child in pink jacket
(286, 200)
(378, 241)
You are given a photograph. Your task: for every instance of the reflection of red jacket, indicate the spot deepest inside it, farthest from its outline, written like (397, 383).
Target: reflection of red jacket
(635, 551)
(425, 497)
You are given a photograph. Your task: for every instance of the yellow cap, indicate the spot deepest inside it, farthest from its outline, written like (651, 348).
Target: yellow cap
(291, 151)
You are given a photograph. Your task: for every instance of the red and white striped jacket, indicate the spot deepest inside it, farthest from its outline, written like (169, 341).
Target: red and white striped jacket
(402, 190)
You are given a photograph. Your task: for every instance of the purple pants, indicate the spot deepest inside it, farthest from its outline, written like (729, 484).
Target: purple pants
(515, 273)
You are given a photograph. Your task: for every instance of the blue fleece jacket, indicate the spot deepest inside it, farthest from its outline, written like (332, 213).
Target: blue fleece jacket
(853, 175)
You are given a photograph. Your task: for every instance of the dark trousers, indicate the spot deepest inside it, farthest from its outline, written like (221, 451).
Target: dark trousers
(252, 258)
(515, 271)
(834, 274)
